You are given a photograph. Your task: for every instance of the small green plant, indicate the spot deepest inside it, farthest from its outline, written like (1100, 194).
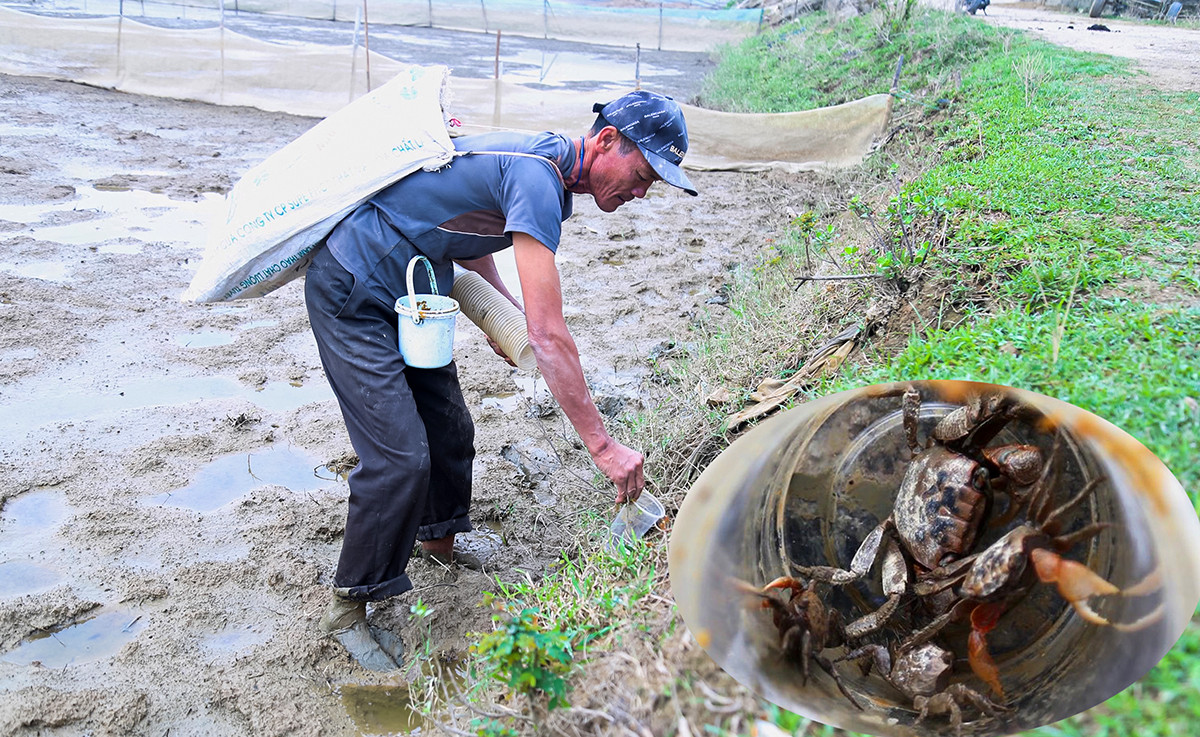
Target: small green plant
(528, 658)
(895, 17)
(812, 239)
(421, 614)
(904, 237)
(420, 610)
(488, 727)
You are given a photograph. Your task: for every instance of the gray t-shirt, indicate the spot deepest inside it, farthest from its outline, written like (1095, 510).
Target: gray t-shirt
(467, 209)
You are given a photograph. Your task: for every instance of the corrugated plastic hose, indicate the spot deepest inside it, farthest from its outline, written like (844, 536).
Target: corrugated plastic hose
(495, 316)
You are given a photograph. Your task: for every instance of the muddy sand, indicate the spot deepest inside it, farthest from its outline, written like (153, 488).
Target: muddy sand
(166, 545)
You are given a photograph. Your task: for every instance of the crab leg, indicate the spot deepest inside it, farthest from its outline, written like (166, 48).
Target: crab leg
(1050, 522)
(860, 565)
(931, 630)
(1065, 542)
(786, 582)
(943, 577)
(895, 583)
(1076, 582)
(983, 621)
(828, 668)
(911, 405)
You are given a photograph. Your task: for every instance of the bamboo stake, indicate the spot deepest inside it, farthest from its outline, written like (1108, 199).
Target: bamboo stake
(637, 68)
(660, 24)
(354, 50)
(221, 5)
(367, 43)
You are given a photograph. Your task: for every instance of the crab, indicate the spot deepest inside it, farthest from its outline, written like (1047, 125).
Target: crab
(938, 514)
(922, 674)
(806, 626)
(989, 582)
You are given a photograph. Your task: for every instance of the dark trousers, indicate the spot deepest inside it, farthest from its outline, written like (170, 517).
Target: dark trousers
(410, 428)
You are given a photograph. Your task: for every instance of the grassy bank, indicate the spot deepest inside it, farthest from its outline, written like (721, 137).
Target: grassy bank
(1032, 222)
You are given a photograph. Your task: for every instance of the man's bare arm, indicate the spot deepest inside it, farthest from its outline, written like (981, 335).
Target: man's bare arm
(558, 360)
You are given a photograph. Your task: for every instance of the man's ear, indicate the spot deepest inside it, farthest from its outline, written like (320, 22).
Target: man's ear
(608, 137)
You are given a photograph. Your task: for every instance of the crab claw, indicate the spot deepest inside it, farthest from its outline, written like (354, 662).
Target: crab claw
(1021, 463)
(983, 620)
(1076, 582)
(786, 582)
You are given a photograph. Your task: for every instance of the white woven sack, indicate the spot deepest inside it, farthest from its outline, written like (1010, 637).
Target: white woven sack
(279, 213)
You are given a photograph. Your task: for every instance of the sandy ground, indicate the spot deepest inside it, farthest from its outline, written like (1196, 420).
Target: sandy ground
(1166, 55)
(165, 543)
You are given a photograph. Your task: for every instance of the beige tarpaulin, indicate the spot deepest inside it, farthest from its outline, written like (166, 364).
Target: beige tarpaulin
(836, 136)
(223, 67)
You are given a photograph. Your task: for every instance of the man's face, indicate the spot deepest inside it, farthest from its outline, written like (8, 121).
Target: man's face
(617, 178)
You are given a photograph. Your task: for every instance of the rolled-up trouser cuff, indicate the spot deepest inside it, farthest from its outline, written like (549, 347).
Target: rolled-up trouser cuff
(377, 591)
(439, 530)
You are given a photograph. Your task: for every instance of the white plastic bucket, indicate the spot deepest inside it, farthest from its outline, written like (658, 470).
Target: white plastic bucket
(426, 330)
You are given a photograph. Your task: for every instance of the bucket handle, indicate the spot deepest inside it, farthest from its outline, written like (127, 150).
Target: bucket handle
(412, 297)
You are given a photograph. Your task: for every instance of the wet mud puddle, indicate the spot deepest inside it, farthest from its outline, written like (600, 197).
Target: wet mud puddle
(394, 709)
(36, 557)
(115, 221)
(32, 561)
(39, 408)
(233, 476)
(93, 638)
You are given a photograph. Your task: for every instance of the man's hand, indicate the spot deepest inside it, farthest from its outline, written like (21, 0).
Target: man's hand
(623, 466)
(499, 351)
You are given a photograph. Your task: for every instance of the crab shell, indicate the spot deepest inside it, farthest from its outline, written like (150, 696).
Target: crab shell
(808, 485)
(922, 671)
(940, 488)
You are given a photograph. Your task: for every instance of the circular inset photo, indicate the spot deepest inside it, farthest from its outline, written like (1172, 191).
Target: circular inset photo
(936, 558)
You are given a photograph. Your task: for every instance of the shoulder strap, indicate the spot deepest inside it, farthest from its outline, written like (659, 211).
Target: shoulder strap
(547, 161)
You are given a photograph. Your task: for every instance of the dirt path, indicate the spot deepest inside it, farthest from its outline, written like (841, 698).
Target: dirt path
(1168, 55)
(165, 546)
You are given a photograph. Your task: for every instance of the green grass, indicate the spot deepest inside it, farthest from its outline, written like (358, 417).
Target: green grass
(545, 627)
(1070, 265)
(1135, 365)
(1069, 182)
(820, 62)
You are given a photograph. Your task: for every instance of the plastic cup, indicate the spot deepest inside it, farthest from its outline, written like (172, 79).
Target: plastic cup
(636, 518)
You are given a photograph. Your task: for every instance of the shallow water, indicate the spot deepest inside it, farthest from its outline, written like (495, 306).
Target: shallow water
(42, 408)
(92, 639)
(123, 215)
(380, 710)
(23, 577)
(233, 476)
(29, 522)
